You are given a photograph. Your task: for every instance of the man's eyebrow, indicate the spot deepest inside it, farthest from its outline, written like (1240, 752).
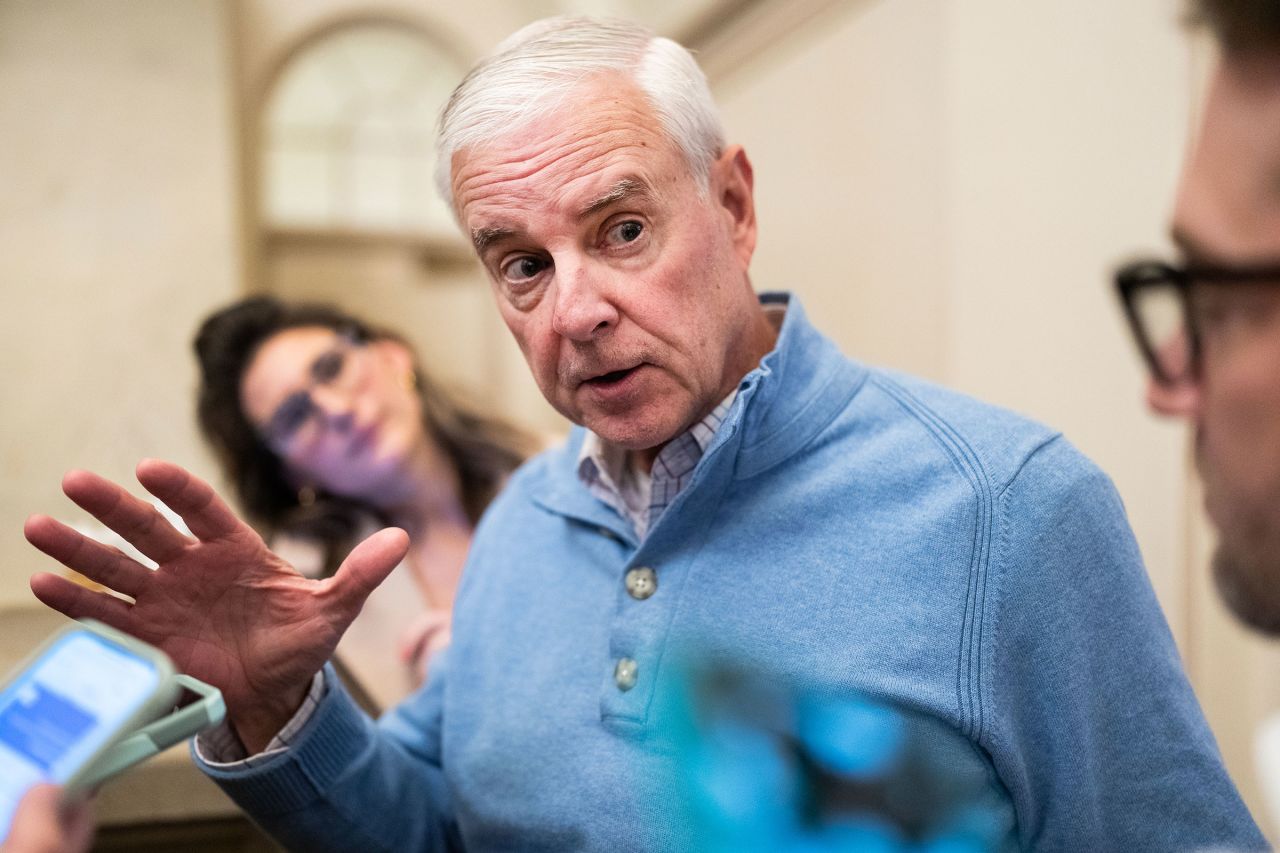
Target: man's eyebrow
(483, 238)
(1191, 249)
(627, 188)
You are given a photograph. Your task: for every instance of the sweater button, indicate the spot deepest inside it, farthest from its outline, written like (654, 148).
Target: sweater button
(641, 583)
(624, 674)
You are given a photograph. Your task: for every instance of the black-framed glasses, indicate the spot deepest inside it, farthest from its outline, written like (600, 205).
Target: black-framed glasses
(300, 408)
(1166, 309)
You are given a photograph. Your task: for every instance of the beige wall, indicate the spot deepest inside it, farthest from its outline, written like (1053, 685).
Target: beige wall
(843, 121)
(116, 234)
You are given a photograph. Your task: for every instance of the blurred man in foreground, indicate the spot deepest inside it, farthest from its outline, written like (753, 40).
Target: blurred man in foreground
(1210, 326)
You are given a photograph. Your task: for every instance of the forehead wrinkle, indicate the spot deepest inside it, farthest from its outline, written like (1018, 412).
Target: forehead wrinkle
(518, 192)
(511, 165)
(516, 164)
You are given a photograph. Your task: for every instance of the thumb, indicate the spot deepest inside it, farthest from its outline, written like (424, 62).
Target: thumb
(77, 823)
(368, 565)
(42, 824)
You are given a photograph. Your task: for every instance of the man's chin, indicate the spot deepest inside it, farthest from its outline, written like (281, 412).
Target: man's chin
(627, 433)
(1247, 575)
(1246, 563)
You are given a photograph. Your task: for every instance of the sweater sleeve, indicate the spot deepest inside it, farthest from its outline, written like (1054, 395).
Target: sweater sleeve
(347, 783)
(1089, 717)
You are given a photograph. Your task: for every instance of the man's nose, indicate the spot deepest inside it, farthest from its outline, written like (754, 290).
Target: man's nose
(583, 309)
(1179, 399)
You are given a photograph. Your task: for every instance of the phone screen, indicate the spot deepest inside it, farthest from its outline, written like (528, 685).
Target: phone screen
(60, 711)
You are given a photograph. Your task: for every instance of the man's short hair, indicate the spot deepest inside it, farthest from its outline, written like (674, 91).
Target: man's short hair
(536, 69)
(1241, 26)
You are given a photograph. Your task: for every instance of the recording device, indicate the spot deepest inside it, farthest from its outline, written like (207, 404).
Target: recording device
(88, 703)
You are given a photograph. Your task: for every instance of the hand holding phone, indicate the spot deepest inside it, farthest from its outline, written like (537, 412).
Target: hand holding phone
(74, 697)
(46, 823)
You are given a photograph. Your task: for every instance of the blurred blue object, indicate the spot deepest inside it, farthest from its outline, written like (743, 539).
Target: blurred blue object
(851, 735)
(764, 765)
(742, 786)
(863, 834)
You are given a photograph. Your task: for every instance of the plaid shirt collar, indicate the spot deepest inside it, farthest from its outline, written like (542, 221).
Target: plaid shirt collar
(641, 497)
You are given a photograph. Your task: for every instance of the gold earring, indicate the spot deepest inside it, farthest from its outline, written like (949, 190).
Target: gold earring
(306, 496)
(408, 380)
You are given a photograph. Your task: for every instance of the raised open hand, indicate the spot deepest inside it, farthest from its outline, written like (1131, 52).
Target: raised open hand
(225, 608)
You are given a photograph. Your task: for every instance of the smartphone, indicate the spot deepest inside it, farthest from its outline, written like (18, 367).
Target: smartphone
(83, 689)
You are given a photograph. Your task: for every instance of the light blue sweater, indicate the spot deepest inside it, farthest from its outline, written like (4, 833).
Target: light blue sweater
(845, 527)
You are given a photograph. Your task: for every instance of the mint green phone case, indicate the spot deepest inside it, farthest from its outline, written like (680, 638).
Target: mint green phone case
(156, 725)
(155, 737)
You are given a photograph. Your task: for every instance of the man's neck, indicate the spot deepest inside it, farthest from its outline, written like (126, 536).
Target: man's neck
(642, 460)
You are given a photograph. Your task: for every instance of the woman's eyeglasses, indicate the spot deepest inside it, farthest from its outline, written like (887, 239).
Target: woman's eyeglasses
(1170, 310)
(300, 408)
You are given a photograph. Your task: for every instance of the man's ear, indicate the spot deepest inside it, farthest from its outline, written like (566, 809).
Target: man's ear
(733, 182)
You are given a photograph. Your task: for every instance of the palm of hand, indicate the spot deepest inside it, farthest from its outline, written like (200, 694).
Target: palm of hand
(231, 613)
(225, 608)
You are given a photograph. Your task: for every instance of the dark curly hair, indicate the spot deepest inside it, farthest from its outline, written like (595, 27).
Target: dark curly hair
(1241, 26)
(483, 449)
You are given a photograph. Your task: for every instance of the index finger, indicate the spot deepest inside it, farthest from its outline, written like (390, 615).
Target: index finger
(205, 514)
(137, 521)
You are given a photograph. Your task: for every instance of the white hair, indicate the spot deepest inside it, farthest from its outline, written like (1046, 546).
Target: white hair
(539, 67)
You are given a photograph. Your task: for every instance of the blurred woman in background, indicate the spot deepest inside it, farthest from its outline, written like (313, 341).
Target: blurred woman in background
(327, 429)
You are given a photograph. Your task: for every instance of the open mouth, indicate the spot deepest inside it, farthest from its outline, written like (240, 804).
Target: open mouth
(612, 377)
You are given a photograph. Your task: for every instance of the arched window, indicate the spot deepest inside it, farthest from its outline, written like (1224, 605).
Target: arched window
(348, 133)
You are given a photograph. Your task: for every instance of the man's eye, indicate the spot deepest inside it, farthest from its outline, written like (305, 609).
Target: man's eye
(1221, 311)
(625, 232)
(523, 268)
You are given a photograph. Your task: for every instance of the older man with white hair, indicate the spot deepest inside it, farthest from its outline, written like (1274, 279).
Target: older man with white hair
(736, 491)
